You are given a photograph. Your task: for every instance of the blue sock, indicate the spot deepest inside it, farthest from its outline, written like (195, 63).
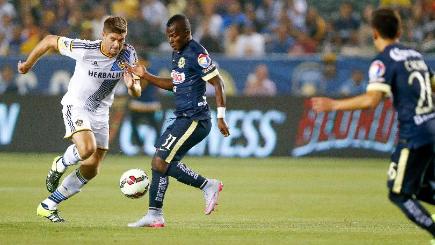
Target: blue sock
(414, 211)
(185, 175)
(159, 185)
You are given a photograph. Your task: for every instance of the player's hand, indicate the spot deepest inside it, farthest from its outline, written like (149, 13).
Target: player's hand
(138, 70)
(23, 67)
(322, 104)
(128, 79)
(223, 127)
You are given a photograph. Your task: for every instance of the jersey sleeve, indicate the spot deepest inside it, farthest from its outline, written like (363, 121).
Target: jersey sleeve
(380, 76)
(207, 66)
(74, 48)
(132, 57)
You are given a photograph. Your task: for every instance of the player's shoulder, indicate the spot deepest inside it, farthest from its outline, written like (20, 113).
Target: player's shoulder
(387, 58)
(399, 52)
(199, 54)
(129, 53)
(129, 48)
(196, 48)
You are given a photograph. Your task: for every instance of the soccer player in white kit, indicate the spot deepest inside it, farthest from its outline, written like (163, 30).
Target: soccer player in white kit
(99, 68)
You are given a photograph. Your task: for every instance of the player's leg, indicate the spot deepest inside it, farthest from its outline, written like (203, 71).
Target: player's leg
(78, 129)
(159, 179)
(91, 166)
(158, 186)
(178, 138)
(84, 146)
(427, 187)
(191, 136)
(185, 134)
(71, 185)
(95, 142)
(405, 174)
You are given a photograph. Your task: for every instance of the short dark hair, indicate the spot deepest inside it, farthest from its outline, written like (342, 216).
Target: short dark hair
(115, 24)
(387, 22)
(179, 18)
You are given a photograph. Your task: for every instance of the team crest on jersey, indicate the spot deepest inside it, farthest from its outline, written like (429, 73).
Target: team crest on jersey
(204, 60)
(376, 70)
(181, 62)
(121, 64)
(79, 122)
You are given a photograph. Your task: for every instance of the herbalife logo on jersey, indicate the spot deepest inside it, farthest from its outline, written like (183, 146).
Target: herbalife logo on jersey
(105, 75)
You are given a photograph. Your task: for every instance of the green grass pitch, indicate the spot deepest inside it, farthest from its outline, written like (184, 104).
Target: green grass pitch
(264, 201)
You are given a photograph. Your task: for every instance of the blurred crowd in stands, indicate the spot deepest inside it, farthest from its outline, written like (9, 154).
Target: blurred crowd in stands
(235, 28)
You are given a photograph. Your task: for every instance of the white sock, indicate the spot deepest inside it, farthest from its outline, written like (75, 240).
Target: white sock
(50, 204)
(70, 186)
(207, 183)
(155, 211)
(70, 157)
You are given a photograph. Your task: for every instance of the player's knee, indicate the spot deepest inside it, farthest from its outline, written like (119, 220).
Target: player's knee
(86, 150)
(89, 171)
(91, 174)
(159, 165)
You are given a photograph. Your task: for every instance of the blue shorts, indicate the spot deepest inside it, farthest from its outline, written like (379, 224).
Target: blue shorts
(408, 167)
(180, 137)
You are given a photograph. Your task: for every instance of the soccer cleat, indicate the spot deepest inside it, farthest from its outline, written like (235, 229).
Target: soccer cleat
(53, 176)
(52, 215)
(211, 194)
(149, 220)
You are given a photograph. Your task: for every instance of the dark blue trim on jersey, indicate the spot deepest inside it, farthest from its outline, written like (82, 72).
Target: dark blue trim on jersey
(68, 118)
(94, 101)
(85, 45)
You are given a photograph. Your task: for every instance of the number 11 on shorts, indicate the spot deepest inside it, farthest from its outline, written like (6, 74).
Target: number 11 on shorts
(169, 141)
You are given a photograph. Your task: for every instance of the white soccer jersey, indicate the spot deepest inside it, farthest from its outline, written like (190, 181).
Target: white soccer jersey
(96, 75)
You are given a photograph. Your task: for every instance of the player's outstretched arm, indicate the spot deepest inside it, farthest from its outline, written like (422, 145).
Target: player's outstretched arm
(218, 85)
(365, 101)
(48, 43)
(145, 77)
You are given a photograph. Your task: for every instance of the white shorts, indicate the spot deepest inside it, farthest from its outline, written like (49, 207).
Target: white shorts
(79, 119)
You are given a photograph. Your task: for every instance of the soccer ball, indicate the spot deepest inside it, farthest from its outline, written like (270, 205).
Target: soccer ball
(134, 183)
